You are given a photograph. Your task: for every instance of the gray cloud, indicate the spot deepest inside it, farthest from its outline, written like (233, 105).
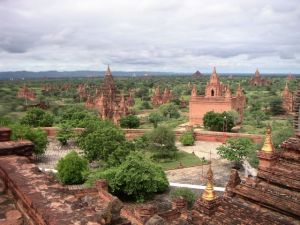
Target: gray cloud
(172, 35)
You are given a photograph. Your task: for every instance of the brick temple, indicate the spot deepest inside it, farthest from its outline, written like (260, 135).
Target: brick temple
(287, 99)
(257, 80)
(217, 98)
(108, 102)
(160, 98)
(26, 93)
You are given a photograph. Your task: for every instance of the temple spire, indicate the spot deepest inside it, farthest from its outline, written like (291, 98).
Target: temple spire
(268, 145)
(209, 193)
(257, 74)
(108, 72)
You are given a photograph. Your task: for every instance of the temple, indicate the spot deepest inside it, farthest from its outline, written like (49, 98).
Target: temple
(197, 74)
(256, 80)
(217, 98)
(290, 77)
(26, 93)
(108, 102)
(287, 99)
(159, 98)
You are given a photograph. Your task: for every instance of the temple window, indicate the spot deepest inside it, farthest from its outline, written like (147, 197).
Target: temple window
(212, 92)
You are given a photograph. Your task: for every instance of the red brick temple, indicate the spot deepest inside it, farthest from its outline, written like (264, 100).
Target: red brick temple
(159, 98)
(26, 93)
(217, 98)
(257, 80)
(287, 99)
(108, 102)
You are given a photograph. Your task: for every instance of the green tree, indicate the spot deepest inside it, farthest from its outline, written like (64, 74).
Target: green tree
(218, 121)
(145, 105)
(276, 106)
(162, 143)
(236, 149)
(155, 118)
(136, 178)
(37, 117)
(187, 138)
(36, 135)
(169, 110)
(64, 134)
(130, 121)
(105, 142)
(71, 168)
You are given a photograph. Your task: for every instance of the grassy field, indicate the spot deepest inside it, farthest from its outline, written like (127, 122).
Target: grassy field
(186, 160)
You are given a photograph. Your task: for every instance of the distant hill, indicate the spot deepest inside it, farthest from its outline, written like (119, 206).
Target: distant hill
(87, 73)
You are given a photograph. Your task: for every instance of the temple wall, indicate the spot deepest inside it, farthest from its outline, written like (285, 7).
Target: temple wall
(201, 105)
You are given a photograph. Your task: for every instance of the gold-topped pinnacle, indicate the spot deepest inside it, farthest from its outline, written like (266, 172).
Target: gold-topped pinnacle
(209, 193)
(268, 144)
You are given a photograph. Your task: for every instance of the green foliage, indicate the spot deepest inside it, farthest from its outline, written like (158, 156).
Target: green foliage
(37, 117)
(218, 121)
(64, 134)
(71, 169)
(276, 106)
(236, 149)
(185, 193)
(136, 178)
(162, 143)
(155, 118)
(280, 135)
(187, 138)
(4, 121)
(77, 117)
(36, 135)
(169, 110)
(145, 105)
(106, 142)
(130, 121)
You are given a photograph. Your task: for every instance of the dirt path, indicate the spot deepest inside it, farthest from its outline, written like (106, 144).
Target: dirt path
(196, 175)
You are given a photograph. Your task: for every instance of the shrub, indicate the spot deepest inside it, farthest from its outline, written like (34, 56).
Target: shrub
(130, 121)
(104, 141)
(36, 135)
(187, 138)
(162, 143)
(236, 149)
(276, 106)
(71, 169)
(37, 117)
(64, 134)
(185, 193)
(218, 121)
(155, 118)
(169, 110)
(137, 178)
(145, 105)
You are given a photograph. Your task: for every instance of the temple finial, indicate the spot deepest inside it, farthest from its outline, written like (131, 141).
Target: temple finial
(214, 70)
(209, 193)
(108, 72)
(268, 144)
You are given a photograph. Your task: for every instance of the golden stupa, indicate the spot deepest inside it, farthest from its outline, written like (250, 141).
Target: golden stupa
(268, 144)
(209, 193)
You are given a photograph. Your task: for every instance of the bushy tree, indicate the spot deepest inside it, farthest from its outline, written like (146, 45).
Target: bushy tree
(187, 138)
(155, 118)
(37, 117)
(36, 135)
(218, 121)
(64, 134)
(276, 106)
(236, 149)
(105, 142)
(185, 193)
(136, 178)
(162, 143)
(169, 110)
(145, 105)
(71, 168)
(130, 121)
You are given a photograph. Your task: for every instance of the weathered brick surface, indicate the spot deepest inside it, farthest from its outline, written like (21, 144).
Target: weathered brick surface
(47, 202)
(22, 148)
(5, 134)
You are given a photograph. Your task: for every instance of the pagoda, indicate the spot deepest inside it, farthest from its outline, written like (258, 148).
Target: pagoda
(26, 93)
(218, 98)
(108, 102)
(257, 80)
(159, 98)
(287, 99)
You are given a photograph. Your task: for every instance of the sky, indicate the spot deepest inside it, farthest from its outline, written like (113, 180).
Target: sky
(150, 35)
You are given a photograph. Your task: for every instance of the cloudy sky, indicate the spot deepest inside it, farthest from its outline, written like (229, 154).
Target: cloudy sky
(152, 35)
